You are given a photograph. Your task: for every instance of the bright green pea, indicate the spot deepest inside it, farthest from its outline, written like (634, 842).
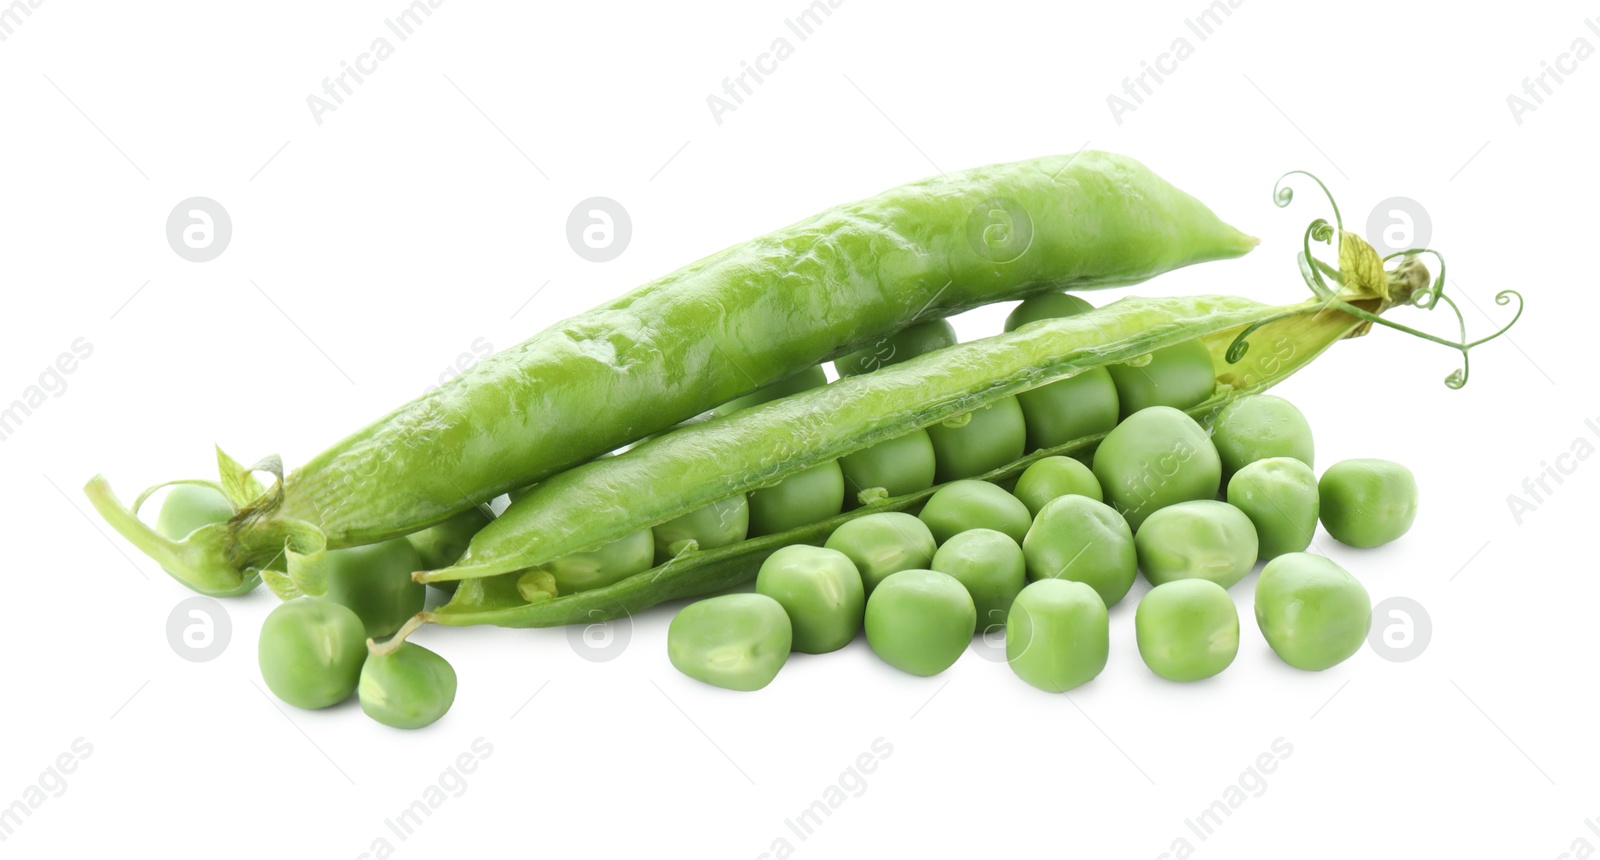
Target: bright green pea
(1367, 503)
(1053, 477)
(902, 465)
(1058, 635)
(1279, 495)
(990, 565)
(1156, 457)
(919, 621)
(907, 343)
(1077, 538)
(882, 544)
(805, 380)
(1259, 426)
(1203, 539)
(962, 505)
(311, 652)
(821, 591)
(1187, 629)
(1179, 376)
(736, 641)
(980, 441)
(192, 506)
(717, 524)
(375, 581)
(443, 544)
(1045, 306)
(798, 500)
(617, 560)
(407, 688)
(1312, 612)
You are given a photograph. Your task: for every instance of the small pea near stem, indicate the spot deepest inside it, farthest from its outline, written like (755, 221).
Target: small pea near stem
(393, 643)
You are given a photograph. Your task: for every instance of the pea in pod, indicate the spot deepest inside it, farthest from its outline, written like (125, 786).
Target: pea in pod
(719, 328)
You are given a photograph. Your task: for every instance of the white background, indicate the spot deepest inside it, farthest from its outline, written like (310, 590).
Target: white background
(371, 250)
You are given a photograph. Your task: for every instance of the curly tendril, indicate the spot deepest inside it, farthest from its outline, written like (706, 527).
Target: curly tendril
(1317, 274)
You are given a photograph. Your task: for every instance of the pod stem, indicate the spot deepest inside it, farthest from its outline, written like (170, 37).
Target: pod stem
(393, 643)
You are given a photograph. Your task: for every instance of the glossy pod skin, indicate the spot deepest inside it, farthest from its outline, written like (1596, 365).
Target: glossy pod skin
(920, 251)
(1313, 613)
(888, 401)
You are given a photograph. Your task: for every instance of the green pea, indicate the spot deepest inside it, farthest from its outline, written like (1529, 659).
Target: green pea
(907, 343)
(805, 380)
(919, 621)
(1187, 630)
(736, 641)
(1045, 306)
(1204, 539)
(902, 465)
(1067, 409)
(1367, 503)
(882, 544)
(311, 652)
(1259, 426)
(188, 507)
(1180, 376)
(407, 688)
(980, 441)
(990, 565)
(1279, 495)
(962, 505)
(1058, 635)
(798, 500)
(443, 544)
(821, 591)
(717, 524)
(1077, 538)
(1156, 457)
(375, 581)
(1312, 612)
(1053, 477)
(617, 560)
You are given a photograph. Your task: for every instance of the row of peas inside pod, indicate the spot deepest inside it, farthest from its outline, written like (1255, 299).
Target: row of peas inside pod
(1044, 560)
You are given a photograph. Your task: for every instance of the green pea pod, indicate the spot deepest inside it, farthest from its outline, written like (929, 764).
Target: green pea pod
(719, 328)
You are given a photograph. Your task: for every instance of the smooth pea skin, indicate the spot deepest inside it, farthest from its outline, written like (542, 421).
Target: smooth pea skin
(1067, 409)
(919, 621)
(1187, 630)
(311, 652)
(798, 500)
(805, 380)
(1053, 477)
(1179, 376)
(736, 641)
(1312, 612)
(1279, 495)
(821, 591)
(375, 581)
(1157, 457)
(1367, 503)
(1058, 635)
(1203, 539)
(902, 465)
(979, 441)
(191, 506)
(617, 560)
(962, 505)
(1079, 539)
(883, 544)
(443, 544)
(717, 524)
(907, 343)
(990, 565)
(407, 688)
(1259, 426)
